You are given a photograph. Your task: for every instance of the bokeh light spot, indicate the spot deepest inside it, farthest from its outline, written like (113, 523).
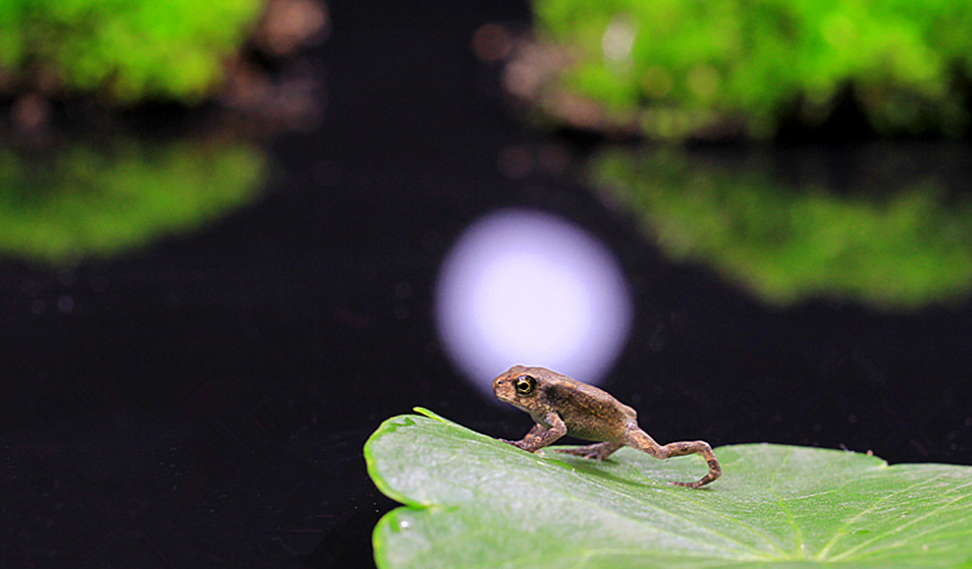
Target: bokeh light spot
(525, 287)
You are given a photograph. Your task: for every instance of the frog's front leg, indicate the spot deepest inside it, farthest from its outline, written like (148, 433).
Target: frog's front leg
(640, 440)
(598, 451)
(528, 438)
(540, 436)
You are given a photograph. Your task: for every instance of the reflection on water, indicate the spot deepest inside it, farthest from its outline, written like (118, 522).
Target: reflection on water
(788, 241)
(96, 201)
(526, 287)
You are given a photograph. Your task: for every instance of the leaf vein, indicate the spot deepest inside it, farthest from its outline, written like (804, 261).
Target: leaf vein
(841, 531)
(932, 512)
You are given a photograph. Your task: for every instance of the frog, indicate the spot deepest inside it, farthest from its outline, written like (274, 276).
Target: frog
(560, 405)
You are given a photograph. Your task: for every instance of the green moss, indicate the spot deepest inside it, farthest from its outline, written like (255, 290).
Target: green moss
(786, 244)
(93, 202)
(128, 49)
(685, 67)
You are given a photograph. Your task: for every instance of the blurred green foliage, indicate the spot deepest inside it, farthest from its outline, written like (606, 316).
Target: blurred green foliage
(899, 251)
(95, 202)
(128, 49)
(679, 68)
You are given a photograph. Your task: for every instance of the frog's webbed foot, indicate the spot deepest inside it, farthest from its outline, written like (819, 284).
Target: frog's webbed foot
(698, 447)
(522, 445)
(692, 485)
(598, 451)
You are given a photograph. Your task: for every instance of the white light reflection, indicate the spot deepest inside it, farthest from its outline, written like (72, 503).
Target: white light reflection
(524, 287)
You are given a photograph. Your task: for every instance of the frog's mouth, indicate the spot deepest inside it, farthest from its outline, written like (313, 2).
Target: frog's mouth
(514, 401)
(507, 399)
(516, 404)
(504, 391)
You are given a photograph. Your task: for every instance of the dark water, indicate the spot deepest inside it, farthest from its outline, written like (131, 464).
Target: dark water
(203, 401)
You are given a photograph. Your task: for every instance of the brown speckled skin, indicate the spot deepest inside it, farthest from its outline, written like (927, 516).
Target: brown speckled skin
(560, 406)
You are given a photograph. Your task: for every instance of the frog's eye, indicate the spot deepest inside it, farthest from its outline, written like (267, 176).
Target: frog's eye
(525, 384)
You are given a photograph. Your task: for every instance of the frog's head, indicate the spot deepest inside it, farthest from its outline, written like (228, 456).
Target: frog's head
(519, 386)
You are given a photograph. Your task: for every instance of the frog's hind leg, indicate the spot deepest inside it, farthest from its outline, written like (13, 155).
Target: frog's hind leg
(598, 451)
(643, 442)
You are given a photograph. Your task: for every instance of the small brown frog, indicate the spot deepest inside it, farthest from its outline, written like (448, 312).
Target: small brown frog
(564, 406)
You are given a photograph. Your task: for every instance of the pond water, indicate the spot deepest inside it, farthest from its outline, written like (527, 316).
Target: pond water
(200, 382)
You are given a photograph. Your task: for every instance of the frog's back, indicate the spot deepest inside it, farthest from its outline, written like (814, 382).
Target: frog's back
(589, 412)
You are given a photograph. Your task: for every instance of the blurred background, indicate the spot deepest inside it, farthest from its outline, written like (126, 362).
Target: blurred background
(233, 240)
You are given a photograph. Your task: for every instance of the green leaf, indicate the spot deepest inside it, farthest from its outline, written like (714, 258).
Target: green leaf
(472, 501)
